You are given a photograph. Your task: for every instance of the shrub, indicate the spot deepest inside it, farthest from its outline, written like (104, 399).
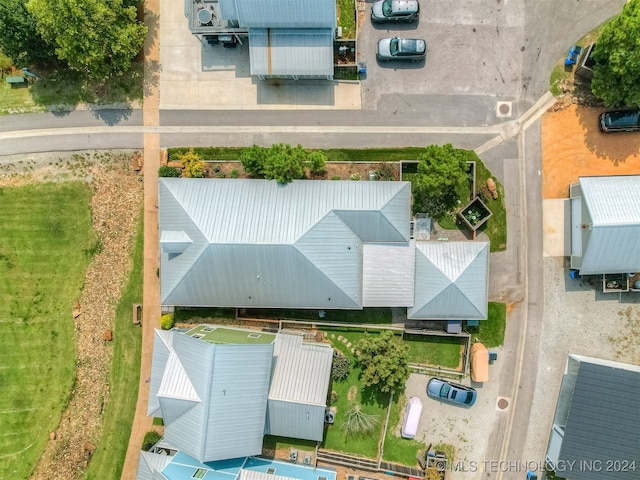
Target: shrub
(384, 171)
(340, 367)
(253, 160)
(167, 171)
(317, 163)
(192, 164)
(356, 177)
(150, 439)
(333, 397)
(336, 177)
(166, 321)
(233, 173)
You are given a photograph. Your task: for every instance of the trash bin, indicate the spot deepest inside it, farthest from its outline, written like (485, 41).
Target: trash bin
(362, 67)
(574, 274)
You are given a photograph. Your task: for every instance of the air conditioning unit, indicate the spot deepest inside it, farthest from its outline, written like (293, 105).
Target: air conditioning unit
(307, 460)
(329, 416)
(293, 455)
(440, 464)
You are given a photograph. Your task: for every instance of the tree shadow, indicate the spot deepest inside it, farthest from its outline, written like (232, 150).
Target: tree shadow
(111, 116)
(152, 70)
(616, 147)
(152, 21)
(373, 396)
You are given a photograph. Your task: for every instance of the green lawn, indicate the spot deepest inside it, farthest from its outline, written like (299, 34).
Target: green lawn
(335, 439)
(397, 449)
(491, 331)
(432, 350)
(44, 253)
(16, 100)
(347, 18)
(108, 459)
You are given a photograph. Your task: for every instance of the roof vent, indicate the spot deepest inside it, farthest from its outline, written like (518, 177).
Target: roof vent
(329, 416)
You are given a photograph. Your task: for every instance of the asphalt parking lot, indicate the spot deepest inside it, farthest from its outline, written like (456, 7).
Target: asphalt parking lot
(474, 50)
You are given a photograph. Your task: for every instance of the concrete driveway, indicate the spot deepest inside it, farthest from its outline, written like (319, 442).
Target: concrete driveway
(474, 57)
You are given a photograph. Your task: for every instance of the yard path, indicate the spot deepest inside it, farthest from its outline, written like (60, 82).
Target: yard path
(151, 289)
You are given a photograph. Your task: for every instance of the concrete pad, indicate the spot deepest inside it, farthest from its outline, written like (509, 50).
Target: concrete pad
(177, 63)
(177, 34)
(172, 9)
(219, 94)
(347, 96)
(179, 94)
(555, 220)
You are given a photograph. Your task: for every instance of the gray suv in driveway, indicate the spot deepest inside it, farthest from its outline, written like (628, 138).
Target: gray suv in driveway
(397, 48)
(395, 11)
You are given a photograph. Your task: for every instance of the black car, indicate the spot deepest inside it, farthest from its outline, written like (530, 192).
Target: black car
(620, 121)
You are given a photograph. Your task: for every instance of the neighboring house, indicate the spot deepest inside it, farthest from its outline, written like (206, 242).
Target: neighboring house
(605, 225)
(311, 244)
(596, 427)
(220, 389)
(287, 38)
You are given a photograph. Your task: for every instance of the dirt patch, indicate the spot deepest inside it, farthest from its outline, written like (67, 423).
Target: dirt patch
(573, 146)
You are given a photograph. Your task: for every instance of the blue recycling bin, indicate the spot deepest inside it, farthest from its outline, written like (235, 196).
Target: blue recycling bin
(362, 67)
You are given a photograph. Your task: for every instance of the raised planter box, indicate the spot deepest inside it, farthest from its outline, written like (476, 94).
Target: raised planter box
(475, 214)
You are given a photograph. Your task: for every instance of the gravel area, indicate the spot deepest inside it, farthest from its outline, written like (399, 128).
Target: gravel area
(578, 319)
(116, 206)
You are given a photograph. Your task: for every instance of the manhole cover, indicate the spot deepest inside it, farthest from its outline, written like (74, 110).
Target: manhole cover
(504, 108)
(502, 404)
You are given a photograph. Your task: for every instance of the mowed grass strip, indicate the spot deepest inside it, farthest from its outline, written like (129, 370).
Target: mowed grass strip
(108, 459)
(46, 243)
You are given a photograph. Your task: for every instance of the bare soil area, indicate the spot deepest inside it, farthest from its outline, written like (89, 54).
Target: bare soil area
(573, 146)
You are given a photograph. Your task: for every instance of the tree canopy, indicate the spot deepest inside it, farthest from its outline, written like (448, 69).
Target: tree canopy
(616, 73)
(95, 37)
(384, 361)
(441, 182)
(282, 162)
(19, 38)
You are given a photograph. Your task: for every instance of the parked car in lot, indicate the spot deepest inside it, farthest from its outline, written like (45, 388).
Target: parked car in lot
(451, 392)
(395, 10)
(397, 48)
(620, 121)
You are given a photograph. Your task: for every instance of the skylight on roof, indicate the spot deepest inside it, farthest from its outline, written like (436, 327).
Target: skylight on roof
(271, 471)
(199, 473)
(254, 335)
(207, 329)
(198, 335)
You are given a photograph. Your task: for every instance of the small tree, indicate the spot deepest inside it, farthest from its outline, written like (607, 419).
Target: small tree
(317, 163)
(5, 63)
(192, 164)
(358, 423)
(284, 164)
(384, 361)
(617, 59)
(167, 171)
(253, 160)
(441, 182)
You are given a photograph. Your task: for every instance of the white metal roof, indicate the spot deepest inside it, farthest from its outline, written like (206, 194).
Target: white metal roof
(291, 51)
(451, 281)
(284, 13)
(260, 244)
(611, 239)
(388, 275)
(301, 371)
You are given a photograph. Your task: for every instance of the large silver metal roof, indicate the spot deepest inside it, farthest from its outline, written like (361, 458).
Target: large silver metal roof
(256, 243)
(610, 240)
(451, 281)
(290, 52)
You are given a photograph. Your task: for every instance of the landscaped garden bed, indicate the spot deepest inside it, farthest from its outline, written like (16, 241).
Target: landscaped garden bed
(475, 214)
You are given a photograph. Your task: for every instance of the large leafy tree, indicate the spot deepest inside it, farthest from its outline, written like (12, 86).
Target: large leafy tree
(284, 163)
(616, 73)
(98, 38)
(19, 38)
(384, 361)
(441, 182)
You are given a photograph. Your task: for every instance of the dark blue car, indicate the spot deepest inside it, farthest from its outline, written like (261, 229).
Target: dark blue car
(451, 392)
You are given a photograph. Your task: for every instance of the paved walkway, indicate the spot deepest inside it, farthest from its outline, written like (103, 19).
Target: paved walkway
(151, 289)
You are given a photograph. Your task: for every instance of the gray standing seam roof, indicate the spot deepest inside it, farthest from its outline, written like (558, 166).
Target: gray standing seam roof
(291, 52)
(603, 423)
(301, 371)
(613, 205)
(256, 243)
(283, 13)
(451, 281)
